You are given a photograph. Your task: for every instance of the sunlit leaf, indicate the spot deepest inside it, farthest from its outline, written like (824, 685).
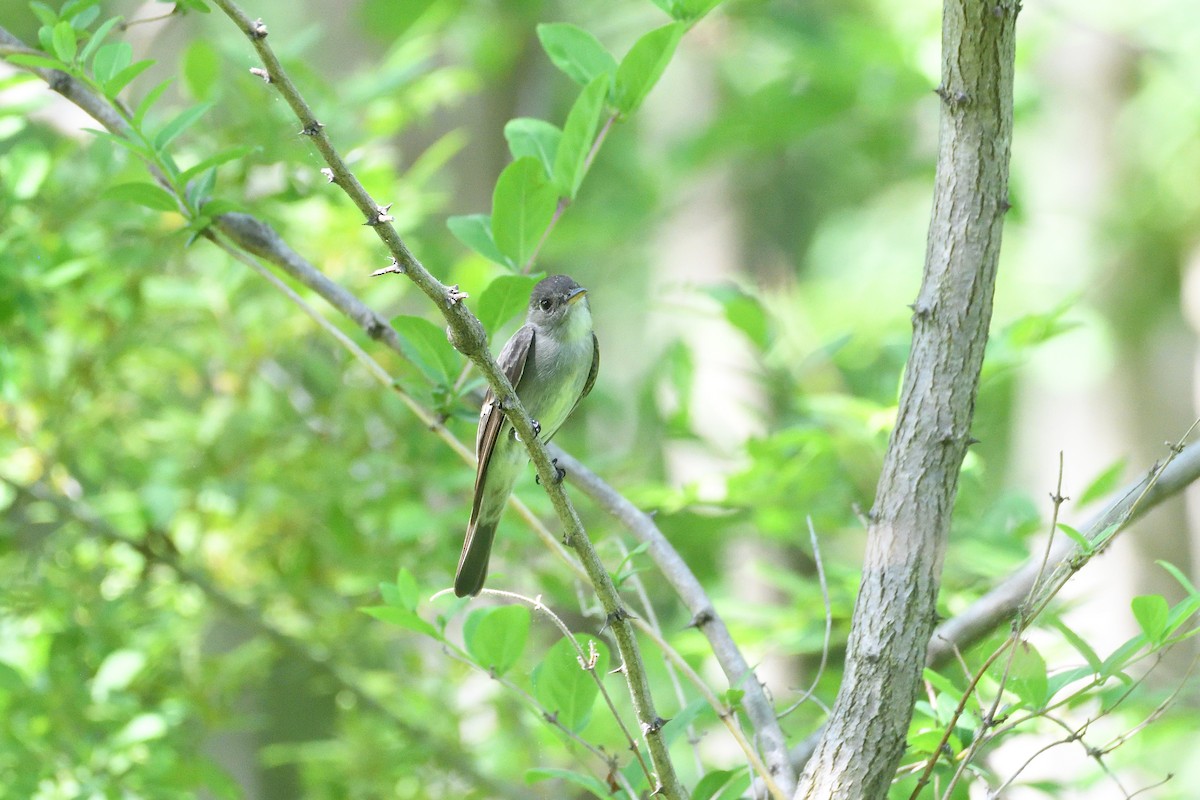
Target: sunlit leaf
(1103, 484)
(403, 618)
(643, 65)
(504, 298)
(426, 345)
(533, 137)
(63, 38)
(150, 195)
(576, 52)
(179, 124)
(564, 687)
(585, 782)
(523, 204)
(475, 231)
(1151, 611)
(495, 637)
(579, 136)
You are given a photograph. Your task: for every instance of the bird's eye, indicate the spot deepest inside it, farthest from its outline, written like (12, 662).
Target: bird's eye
(545, 304)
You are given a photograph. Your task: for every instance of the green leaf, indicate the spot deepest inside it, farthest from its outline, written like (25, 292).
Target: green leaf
(643, 65)
(533, 137)
(1075, 536)
(63, 38)
(426, 346)
(73, 8)
(743, 311)
(178, 125)
(35, 60)
(148, 102)
(708, 786)
(113, 86)
(111, 59)
(1151, 612)
(523, 203)
(1028, 678)
(495, 637)
(693, 10)
(45, 14)
(1082, 647)
(1181, 613)
(1180, 577)
(585, 782)
(201, 68)
(118, 669)
(407, 590)
(1120, 658)
(1103, 484)
(403, 618)
(216, 160)
(562, 685)
(137, 148)
(503, 299)
(65, 273)
(1105, 535)
(97, 38)
(83, 19)
(150, 195)
(576, 52)
(199, 191)
(579, 134)
(677, 725)
(475, 231)
(391, 595)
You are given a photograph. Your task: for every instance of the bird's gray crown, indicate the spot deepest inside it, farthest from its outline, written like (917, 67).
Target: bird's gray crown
(552, 299)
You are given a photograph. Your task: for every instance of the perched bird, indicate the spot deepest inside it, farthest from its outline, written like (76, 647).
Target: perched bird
(552, 363)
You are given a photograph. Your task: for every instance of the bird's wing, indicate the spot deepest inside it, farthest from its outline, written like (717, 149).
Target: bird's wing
(512, 363)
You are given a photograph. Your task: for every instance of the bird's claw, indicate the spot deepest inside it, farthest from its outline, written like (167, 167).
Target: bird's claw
(559, 473)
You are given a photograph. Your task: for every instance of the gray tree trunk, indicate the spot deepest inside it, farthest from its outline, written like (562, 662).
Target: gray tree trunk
(894, 614)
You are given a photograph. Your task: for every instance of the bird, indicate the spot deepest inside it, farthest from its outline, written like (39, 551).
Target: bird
(551, 361)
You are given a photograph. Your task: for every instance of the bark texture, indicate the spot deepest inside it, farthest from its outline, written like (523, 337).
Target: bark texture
(895, 611)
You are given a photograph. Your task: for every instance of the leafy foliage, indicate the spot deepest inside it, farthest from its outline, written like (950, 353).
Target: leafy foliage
(205, 498)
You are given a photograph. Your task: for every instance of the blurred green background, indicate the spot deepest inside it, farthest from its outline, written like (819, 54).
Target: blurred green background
(750, 240)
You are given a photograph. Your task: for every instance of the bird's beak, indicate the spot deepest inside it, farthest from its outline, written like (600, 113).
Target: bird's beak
(576, 294)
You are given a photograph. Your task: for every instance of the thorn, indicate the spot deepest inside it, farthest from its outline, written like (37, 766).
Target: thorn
(383, 215)
(259, 72)
(972, 440)
(701, 619)
(391, 268)
(312, 128)
(654, 726)
(328, 173)
(1005, 205)
(454, 295)
(258, 29)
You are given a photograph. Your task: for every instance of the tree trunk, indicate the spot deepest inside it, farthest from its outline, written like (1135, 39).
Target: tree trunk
(894, 614)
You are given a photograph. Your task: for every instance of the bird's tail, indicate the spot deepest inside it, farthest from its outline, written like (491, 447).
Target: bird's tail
(473, 563)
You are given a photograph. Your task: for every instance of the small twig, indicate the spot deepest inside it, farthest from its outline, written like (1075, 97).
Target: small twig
(812, 537)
